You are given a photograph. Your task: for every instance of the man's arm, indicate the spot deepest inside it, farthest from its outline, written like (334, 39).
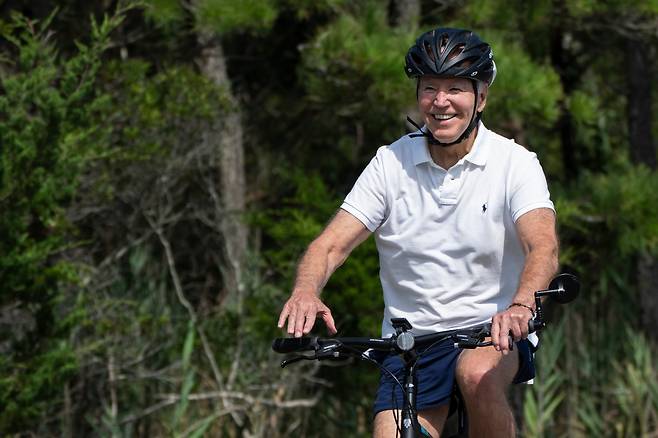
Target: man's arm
(536, 230)
(323, 256)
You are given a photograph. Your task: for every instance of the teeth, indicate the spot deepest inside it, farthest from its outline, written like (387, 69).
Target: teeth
(443, 116)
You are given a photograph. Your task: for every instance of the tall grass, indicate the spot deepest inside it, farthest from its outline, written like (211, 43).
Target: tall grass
(575, 396)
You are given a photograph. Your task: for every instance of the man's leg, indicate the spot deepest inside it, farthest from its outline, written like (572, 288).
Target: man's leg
(431, 419)
(484, 376)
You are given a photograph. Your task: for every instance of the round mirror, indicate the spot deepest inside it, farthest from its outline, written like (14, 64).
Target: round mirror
(568, 287)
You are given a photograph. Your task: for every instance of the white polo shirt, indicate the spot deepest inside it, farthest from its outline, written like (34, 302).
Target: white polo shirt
(449, 253)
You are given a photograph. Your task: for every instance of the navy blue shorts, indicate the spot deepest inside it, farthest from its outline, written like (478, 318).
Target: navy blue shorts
(436, 375)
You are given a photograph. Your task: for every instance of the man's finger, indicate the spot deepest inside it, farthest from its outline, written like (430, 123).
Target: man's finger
(283, 316)
(494, 335)
(299, 323)
(517, 333)
(506, 342)
(308, 325)
(329, 321)
(503, 337)
(292, 319)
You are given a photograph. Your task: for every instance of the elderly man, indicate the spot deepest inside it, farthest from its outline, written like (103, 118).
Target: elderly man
(465, 230)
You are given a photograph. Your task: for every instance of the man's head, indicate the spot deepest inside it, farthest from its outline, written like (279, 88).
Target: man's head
(446, 54)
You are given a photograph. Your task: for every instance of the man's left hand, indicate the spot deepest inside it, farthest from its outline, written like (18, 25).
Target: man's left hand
(511, 322)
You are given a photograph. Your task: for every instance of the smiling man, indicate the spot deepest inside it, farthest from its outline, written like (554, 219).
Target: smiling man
(465, 230)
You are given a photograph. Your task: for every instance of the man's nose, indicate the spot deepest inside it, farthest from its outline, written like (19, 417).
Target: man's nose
(441, 99)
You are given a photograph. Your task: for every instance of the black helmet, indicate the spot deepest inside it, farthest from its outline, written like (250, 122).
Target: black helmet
(451, 52)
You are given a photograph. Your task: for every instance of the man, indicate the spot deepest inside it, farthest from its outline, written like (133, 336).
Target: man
(465, 231)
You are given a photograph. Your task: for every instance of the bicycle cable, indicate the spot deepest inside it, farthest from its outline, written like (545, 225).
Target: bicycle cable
(363, 355)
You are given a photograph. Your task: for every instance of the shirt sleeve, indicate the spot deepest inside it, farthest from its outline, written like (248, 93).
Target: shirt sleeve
(367, 199)
(529, 188)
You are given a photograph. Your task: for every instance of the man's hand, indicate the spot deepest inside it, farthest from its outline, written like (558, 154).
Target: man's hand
(511, 322)
(301, 310)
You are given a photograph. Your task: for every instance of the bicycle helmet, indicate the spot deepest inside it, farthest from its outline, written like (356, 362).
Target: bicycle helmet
(452, 53)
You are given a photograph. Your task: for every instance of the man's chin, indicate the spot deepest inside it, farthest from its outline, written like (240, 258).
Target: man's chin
(443, 137)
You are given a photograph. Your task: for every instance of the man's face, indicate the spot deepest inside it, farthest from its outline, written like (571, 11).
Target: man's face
(447, 105)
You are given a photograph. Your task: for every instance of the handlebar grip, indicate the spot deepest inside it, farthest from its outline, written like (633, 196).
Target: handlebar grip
(531, 326)
(293, 345)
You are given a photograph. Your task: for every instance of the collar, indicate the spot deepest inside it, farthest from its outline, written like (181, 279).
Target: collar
(420, 153)
(479, 151)
(477, 155)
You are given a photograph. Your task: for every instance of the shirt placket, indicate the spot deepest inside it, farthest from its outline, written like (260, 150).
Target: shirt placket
(449, 189)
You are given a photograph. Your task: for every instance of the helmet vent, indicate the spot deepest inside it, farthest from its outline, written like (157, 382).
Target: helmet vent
(456, 51)
(444, 43)
(464, 63)
(428, 50)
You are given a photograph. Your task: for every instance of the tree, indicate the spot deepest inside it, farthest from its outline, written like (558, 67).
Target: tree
(49, 133)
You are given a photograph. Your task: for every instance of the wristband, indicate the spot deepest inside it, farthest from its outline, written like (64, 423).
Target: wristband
(523, 305)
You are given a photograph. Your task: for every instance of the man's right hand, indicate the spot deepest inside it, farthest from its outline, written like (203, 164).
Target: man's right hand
(301, 310)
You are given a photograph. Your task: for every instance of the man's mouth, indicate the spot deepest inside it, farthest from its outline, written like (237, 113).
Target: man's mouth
(442, 117)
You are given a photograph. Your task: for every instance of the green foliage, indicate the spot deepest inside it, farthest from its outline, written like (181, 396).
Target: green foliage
(547, 392)
(26, 383)
(49, 107)
(305, 9)
(336, 58)
(355, 92)
(624, 201)
(295, 224)
(355, 285)
(224, 16)
(215, 16)
(188, 379)
(635, 388)
(105, 159)
(536, 103)
(621, 7)
(154, 111)
(164, 12)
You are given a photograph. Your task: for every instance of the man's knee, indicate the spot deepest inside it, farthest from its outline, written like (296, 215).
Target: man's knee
(432, 420)
(485, 375)
(477, 380)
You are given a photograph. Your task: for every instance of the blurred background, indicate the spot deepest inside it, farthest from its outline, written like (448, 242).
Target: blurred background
(164, 163)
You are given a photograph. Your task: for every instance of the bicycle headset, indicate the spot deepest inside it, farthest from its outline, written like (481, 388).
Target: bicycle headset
(456, 53)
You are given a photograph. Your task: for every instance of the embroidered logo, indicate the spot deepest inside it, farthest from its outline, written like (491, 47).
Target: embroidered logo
(484, 208)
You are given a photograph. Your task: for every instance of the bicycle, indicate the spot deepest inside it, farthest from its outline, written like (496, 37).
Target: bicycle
(562, 289)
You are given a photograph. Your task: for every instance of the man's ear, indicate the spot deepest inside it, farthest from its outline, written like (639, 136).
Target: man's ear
(483, 91)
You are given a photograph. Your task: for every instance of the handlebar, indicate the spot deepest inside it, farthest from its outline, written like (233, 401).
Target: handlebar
(401, 342)
(563, 289)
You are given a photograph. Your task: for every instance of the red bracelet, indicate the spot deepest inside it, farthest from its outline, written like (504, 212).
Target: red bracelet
(523, 305)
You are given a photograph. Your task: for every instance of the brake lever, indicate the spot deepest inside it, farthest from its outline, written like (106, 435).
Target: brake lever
(294, 359)
(324, 352)
(470, 342)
